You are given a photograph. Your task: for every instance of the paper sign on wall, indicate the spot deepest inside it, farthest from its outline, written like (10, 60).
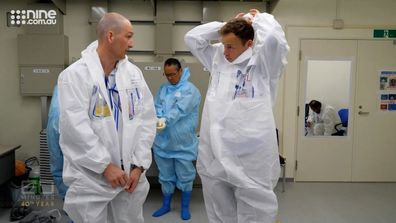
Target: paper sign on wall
(387, 90)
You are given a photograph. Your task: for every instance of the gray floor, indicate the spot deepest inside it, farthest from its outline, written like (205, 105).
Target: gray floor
(338, 203)
(300, 203)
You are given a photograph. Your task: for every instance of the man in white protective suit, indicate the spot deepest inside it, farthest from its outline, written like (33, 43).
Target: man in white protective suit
(322, 119)
(107, 127)
(238, 159)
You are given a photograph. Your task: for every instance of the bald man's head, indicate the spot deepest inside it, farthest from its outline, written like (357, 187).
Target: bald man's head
(115, 36)
(110, 22)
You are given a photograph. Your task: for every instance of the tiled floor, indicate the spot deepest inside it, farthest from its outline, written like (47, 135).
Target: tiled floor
(300, 203)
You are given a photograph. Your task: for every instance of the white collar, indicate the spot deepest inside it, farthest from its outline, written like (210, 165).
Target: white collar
(244, 56)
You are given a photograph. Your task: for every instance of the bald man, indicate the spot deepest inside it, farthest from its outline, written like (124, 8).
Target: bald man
(107, 127)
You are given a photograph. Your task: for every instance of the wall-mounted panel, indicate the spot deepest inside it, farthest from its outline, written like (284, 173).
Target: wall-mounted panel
(144, 37)
(135, 10)
(41, 58)
(179, 31)
(163, 39)
(188, 11)
(228, 10)
(43, 49)
(39, 80)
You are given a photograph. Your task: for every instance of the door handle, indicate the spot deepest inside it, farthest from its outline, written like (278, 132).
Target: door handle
(363, 113)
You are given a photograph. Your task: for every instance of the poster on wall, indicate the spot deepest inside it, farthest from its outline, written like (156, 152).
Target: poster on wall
(387, 90)
(387, 80)
(388, 102)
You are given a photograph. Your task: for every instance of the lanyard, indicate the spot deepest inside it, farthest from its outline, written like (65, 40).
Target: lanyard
(115, 102)
(114, 99)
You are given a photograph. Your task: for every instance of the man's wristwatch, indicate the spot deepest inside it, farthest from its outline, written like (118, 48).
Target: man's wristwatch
(133, 166)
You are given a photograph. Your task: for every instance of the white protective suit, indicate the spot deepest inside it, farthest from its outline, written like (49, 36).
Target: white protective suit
(238, 158)
(324, 122)
(90, 141)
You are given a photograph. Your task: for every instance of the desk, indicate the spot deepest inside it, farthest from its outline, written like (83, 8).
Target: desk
(7, 162)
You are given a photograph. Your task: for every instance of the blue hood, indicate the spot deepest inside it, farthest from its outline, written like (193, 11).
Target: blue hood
(184, 78)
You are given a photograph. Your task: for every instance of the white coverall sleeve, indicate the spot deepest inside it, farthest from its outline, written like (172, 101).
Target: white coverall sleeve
(198, 41)
(78, 141)
(272, 48)
(145, 132)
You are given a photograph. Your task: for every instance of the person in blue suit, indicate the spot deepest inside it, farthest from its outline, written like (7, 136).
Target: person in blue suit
(175, 146)
(54, 149)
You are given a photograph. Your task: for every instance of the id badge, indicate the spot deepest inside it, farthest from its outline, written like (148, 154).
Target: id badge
(98, 108)
(244, 87)
(135, 101)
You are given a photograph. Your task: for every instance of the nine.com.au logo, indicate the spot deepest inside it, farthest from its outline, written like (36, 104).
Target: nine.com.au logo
(31, 17)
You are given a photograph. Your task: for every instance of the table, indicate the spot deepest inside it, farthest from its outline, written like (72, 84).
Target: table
(7, 162)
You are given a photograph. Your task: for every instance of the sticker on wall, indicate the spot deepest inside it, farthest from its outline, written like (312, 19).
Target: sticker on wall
(392, 102)
(387, 102)
(152, 68)
(384, 107)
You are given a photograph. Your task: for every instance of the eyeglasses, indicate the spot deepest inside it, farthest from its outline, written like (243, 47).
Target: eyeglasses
(170, 75)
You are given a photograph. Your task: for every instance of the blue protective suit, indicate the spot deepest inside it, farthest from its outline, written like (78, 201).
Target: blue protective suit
(177, 143)
(53, 144)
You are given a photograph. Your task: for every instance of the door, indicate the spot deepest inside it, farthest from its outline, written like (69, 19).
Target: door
(375, 129)
(327, 72)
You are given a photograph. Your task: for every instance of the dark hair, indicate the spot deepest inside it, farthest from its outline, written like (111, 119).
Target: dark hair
(314, 104)
(174, 62)
(240, 27)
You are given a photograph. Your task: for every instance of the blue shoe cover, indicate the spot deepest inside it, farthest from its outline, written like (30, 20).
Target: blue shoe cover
(165, 206)
(185, 203)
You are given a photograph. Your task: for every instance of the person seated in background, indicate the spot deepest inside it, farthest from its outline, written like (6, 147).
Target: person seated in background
(56, 155)
(176, 144)
(322, 119)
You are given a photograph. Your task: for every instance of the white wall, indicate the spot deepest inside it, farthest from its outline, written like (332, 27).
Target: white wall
(20, 116)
